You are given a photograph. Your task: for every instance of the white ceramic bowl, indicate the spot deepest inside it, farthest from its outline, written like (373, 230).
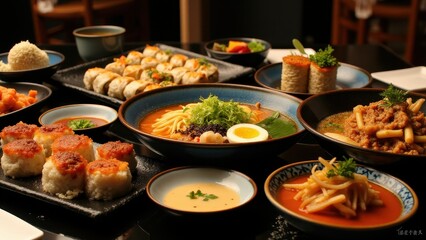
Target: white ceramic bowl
(95, 42)
(165, 181)
(80, 111)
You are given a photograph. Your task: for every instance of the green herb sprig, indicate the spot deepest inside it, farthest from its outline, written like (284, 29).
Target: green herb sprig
(343, 168)
(392, 96)
(80, 124)
(324, 57)
(199, 194)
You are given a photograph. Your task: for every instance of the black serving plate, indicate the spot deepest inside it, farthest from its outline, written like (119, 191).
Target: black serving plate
(31, 186)
(73, 77)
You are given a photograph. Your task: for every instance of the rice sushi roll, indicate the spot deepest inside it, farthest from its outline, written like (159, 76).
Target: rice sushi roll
(18, 131)
(63, 174)
(81, 144)
(46, 134)
(22, 158)
(295, 73)
(323, 71)
(119, 150)
(107, 179)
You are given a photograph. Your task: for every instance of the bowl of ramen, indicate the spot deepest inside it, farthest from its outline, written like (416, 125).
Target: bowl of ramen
(334, 198)
(201, 190)
(250, 52)
(86, 119)
(213, 123)
(374, 126)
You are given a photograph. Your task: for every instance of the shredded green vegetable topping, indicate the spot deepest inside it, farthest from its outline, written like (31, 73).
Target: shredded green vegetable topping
(276, 126)
(392, 96)
(255, 46)
(199, 194)
(80, 124)
(343, 168)
(324, 58)
(211, 111)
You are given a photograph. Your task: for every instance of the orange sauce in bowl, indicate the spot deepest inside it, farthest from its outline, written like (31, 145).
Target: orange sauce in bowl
(373, 216)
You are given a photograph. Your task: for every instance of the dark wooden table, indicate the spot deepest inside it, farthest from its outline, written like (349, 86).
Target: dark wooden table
(142, 219)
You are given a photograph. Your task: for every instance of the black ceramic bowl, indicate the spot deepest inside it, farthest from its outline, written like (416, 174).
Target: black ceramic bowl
(252, 59)
(219, 154)
(317, 107)
(37, 75)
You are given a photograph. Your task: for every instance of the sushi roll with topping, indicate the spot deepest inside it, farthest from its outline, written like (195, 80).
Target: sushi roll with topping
(133, 71)
(134, 58)
(117, 86)
(150, 50)
(149, 62)
(90, 75)
(81, 144)
(107, 179)
(20, 130)
(63, 174)
(119, 150)
(22, 158)
(295, 73)
(46, 134)
(178, 60)
(323, 71)
(102, 81)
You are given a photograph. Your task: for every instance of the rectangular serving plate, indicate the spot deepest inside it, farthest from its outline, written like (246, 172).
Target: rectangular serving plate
(408, 78)
(73, 77)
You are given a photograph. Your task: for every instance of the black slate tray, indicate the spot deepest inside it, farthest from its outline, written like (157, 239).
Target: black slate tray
(73, 77)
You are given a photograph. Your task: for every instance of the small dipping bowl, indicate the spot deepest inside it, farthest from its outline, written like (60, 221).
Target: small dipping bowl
(95, 42)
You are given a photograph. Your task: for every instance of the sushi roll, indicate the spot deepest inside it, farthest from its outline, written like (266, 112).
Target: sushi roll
(46, 134)
(64, 174)
(165, 67)
(150, 50)
(178, 73)
(134, 88)
(107, 179)
(117, 66)
(90, 75)
(194, 77)
(18, 131)
(134, 58)
(119, 150)
(133, 71)
(178, 60)
(102, 81)
(323, 71)
(117, 86)
(22, 158)
(295, 73)
(192, 64)
(81, 144)
(163, 56)
(149, 62)
(210, 70)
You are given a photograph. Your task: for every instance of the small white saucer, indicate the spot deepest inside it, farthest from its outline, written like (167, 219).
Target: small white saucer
(408, 79)
(12, 227)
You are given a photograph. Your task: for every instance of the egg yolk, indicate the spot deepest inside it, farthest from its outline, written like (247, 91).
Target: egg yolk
(245, 132)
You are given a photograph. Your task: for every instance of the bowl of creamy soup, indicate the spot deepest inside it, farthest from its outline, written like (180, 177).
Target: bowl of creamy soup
(200, 190)
(374, 126)
(213, 123)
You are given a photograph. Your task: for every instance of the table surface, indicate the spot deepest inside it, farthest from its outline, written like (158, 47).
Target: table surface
(142, 219)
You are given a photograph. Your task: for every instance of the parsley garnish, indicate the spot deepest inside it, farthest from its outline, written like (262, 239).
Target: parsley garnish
(343, 168)
(324, 58)
(392, 96)
(198, 193)
(80, 124)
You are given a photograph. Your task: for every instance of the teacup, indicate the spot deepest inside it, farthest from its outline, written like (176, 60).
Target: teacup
(100, 41)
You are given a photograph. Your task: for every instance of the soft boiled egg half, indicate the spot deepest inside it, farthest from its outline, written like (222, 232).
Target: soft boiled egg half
(246, 132)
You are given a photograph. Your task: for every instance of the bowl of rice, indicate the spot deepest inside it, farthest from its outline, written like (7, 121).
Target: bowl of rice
(25, 62)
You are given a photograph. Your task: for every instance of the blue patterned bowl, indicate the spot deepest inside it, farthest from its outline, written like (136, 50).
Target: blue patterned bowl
(404, 192)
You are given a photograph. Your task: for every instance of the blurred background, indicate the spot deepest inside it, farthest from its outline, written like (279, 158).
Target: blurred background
(276, 21)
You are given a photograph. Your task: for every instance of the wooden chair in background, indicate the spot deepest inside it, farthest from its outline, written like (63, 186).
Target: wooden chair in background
(71, 14)
(344, 22)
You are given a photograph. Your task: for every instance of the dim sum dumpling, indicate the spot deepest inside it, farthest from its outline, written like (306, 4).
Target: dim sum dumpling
(117, 86)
